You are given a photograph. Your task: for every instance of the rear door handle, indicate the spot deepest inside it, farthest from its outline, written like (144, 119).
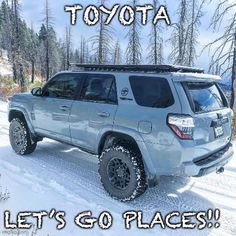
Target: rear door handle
(103, 114)
(64, 108)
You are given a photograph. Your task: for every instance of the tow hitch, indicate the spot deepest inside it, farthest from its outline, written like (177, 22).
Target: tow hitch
(220, 170)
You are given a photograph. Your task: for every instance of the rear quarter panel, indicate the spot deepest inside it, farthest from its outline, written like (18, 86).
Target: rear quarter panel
(149, 125)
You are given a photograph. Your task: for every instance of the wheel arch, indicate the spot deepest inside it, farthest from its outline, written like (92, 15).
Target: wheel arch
(115, 135)
(140, 145)
(20, 113)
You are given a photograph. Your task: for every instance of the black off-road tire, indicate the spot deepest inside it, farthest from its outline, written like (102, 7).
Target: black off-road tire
(21, 142)
(131, 158)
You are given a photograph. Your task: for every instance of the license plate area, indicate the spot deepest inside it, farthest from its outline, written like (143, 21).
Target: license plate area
(219, 131)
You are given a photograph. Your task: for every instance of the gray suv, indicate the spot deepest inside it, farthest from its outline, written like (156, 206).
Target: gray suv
(142, 121)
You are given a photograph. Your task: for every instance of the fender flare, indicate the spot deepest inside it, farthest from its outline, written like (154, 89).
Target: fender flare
(148, 163)
(26, 116)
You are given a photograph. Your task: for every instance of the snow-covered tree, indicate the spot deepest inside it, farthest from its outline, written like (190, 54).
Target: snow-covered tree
(155, 47)
(117, 56)
(31, 52)
(224, 56)
(47, 21)
(68, 46)
(134, 49)
(185, 32)
(102, 43)
(82, 50)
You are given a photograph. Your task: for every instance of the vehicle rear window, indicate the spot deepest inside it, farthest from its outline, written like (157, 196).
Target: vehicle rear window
(205, 97)
(151, 91)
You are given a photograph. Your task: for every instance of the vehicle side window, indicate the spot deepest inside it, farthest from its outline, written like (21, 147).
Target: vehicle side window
(99, 88)
(152, 91)
(62, 86)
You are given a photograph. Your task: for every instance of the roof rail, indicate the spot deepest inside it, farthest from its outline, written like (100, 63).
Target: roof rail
(135, 68)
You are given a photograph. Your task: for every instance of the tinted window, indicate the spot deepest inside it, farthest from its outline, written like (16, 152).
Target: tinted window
(205, 97)
(62, 86)
(151, 91)
(99, 88)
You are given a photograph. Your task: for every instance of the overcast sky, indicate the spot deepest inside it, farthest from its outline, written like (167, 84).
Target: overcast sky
(32, 11)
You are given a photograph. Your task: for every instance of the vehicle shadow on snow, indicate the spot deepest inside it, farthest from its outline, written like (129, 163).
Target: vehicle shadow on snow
(78, 174)
(174, 192)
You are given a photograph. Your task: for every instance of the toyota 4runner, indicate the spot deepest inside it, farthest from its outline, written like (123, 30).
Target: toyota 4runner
(142, 121)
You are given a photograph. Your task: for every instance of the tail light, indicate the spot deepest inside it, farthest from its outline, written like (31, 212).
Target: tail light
(181, 125)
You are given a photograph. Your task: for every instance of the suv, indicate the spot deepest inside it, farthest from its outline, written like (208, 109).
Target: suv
(142, 121)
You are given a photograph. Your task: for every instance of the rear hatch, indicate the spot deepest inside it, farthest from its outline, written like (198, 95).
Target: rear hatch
(212, 116)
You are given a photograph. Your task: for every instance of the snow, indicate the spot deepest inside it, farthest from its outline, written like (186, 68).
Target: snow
(5, 67)
(62, 177)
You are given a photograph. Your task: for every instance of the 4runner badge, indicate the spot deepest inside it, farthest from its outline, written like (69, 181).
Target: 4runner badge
(124, 92)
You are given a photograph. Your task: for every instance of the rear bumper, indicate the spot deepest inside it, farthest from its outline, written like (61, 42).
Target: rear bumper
(208, 164)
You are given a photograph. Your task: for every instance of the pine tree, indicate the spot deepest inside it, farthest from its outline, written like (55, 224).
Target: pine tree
(6, 25)
(42, 50)
(16, 49)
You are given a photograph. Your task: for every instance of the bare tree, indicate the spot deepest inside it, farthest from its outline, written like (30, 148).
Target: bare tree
(68, 46)
(193, 30)
(155, 47)
(102, 43)
(87, 53)
(82, 50)
(134, 49)
(224, 55)
(186, 31)
(178, 38)
(48, 24)
(117, 58)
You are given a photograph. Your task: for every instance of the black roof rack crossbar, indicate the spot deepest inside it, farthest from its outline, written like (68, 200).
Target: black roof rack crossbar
(136, 68)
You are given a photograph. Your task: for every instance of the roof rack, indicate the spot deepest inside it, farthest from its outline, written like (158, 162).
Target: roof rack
(136, 68)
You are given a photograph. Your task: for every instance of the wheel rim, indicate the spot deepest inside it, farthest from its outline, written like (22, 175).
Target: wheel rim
(118, 173)
(18, 136)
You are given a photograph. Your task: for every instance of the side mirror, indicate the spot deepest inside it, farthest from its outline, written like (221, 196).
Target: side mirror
(37, 92)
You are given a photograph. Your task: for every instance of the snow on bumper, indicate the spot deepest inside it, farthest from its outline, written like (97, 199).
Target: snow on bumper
(206, 165)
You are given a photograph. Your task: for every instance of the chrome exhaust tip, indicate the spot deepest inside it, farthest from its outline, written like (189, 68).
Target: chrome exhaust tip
(220, 170)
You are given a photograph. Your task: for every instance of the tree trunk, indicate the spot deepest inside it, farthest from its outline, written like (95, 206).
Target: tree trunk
(232, 105)
(182, 33)
(32, 71)
(23, 85)
(190, 59)
(47, 43)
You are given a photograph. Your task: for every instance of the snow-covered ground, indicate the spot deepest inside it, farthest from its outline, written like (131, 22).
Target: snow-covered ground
(62, 177)
(5, 67)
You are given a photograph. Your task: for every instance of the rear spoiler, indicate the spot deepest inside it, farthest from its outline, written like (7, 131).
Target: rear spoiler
(193, 77)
